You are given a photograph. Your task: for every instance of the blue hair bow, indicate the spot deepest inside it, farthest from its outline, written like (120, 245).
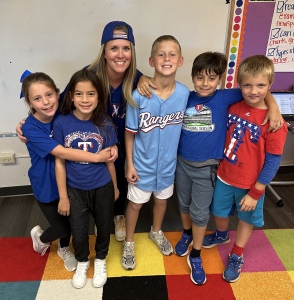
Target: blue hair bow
(23, 76)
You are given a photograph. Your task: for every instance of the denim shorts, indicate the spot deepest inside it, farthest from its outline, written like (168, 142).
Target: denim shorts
(227, 196)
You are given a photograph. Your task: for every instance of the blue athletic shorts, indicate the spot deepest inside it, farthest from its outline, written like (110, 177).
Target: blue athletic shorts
(226, 196)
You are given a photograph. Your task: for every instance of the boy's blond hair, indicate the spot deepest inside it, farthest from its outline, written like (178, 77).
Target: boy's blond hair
(256, 65)
(164, 38)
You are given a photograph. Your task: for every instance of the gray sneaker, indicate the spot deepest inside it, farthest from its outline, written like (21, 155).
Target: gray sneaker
(161, 241)
(38, 246)
(70, 263)
(128, 261)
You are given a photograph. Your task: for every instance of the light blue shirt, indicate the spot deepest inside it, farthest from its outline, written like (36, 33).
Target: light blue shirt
(157, 125)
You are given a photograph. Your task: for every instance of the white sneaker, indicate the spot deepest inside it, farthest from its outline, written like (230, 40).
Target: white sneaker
(70, 263)
(38, 246)
(100, 273)
(161, 241)
(120, 228)
(79, 280)
(128, 261)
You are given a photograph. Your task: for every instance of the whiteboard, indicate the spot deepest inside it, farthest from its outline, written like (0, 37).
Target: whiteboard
(59, 37)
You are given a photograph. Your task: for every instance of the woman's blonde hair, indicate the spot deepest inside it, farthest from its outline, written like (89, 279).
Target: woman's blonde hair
(99, 65)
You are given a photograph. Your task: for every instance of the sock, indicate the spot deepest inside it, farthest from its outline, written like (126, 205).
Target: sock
(237, 250)
(188, 231)
(195, 253)
(222, 234)
(155, 231)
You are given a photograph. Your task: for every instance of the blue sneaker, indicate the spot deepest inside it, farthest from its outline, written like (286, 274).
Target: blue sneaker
(211, 240)
(182, 247)
(233, 269)
(197, 272)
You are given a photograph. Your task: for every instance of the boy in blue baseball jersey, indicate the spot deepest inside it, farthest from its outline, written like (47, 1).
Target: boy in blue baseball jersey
(153, 128)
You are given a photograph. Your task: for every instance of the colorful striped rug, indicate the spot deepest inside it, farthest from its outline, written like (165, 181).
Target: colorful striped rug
(268, 272)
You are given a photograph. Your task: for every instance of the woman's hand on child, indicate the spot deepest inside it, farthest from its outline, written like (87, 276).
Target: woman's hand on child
(19, 131)
(248, 203)
(143, 86)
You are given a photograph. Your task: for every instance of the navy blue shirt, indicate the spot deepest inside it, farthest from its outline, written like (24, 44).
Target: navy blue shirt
(72, 132)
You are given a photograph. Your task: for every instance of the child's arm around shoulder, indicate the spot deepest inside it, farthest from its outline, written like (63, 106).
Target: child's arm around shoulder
(274, 115)
(109, 154)
(19, 131)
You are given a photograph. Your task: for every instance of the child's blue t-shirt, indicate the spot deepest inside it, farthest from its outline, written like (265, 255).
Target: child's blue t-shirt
(72, 132)
(42, 172)
(204, 125)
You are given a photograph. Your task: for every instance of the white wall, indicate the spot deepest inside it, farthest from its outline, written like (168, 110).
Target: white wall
(59, 37)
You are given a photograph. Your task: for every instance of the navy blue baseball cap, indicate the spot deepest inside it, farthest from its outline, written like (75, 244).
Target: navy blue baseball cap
(108, 34)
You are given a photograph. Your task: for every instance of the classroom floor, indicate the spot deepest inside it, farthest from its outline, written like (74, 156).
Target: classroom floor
(19, 214)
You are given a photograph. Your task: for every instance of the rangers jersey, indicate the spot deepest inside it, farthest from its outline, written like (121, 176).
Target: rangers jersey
(157, 125)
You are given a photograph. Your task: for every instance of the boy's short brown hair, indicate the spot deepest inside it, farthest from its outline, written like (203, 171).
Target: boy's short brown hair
(209, 62)
(256, 65)
(163, 38)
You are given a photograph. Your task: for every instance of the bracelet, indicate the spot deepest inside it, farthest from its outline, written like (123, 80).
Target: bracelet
(255, 193)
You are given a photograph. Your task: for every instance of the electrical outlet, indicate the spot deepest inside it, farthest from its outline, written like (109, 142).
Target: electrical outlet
(7, 158)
